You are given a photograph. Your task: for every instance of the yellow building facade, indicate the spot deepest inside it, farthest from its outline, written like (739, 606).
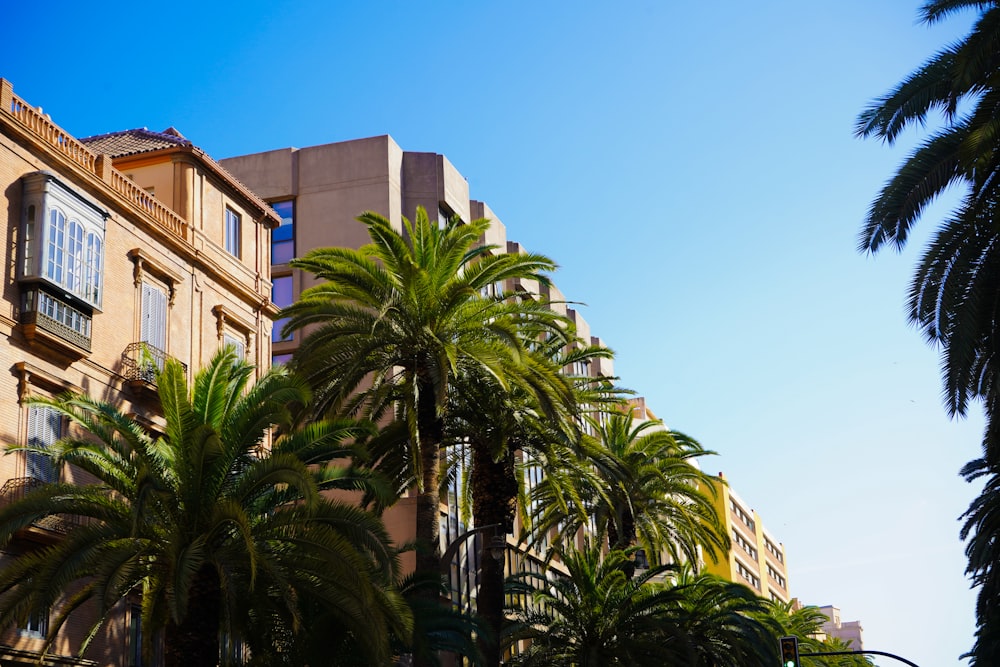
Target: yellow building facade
(755, 558)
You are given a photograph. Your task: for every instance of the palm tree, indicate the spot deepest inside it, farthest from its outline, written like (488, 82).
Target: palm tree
(721, 620)
(954, 298)
(540, 405)
(643, 489)
(320, 638)
(787, 619)
(391, 323)
(215, 533)
(596, 615)
(982, 528)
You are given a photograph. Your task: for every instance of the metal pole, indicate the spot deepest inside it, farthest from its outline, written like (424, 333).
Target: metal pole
(882, 653)
(453, 548)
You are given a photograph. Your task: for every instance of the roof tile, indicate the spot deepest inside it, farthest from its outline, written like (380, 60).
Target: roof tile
(130, 142)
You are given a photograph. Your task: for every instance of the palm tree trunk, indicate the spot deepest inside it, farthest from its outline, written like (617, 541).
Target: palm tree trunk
(625, 539)
(194, 642)
(494, 491)
(428, 528)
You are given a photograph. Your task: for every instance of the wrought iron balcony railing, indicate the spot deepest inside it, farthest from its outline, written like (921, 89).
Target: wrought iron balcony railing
(16, 488)
(141, 362)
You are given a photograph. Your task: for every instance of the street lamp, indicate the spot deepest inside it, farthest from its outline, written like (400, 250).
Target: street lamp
(497, 545)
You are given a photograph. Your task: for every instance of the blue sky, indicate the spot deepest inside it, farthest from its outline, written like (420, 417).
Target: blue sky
(692, 168)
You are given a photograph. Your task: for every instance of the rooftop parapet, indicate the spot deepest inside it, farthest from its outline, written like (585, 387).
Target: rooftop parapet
(34, 123)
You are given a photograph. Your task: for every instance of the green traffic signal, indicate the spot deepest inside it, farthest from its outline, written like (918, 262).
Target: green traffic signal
(789, 651)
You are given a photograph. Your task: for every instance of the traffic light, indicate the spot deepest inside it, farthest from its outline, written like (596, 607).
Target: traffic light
(789, 651)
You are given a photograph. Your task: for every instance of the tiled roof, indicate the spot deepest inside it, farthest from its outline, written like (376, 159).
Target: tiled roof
(130, 142)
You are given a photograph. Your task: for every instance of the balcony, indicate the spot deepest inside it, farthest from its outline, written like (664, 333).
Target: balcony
(17, 488)
(141, 363)
(51, 322)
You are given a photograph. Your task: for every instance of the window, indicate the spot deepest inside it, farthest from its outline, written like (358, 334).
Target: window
(281, 359)
(62, 260)
(742, 514)
(153, 314)
(59, 314)
(445, 215)
(44, 429)
(73, 256)
(774, 550)
(37, 624)
(745, 544)
(776, 576)
(135, 636)
(283, 238)
(232, 232)
(236, 342)
(748, 574)
(282, 294)
(28, 252)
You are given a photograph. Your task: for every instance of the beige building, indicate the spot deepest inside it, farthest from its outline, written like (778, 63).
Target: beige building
(319, 191)
(121, 250)
(756, 558)
(850, 632)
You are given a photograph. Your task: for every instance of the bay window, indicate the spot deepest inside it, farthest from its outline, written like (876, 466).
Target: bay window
(62, 260)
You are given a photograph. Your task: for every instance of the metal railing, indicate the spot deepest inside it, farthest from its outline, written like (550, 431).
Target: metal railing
(56, 316)
(41, 126)
(17, 488)
(141, 362)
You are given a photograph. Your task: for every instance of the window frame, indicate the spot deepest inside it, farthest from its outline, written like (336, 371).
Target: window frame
(280, 323)
(278, 233)
(238, 342)
(232, 232)
(36, 625)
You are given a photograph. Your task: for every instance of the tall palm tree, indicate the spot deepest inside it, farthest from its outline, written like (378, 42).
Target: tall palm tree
(982, 529)
(954, 298)
(540, 405)
(721, 620)
(214, 533)
(643, 489)
(391, 323)
(596, 615)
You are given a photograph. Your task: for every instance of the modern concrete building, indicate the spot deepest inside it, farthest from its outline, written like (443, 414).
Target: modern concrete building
(319, 191)
(756, 558)
(120, 251)
(850, 632)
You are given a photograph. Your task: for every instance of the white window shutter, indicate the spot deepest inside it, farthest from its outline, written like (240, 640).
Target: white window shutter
(154, 317)
(44, 429)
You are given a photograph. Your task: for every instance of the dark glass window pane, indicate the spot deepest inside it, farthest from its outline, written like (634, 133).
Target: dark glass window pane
(280, 359)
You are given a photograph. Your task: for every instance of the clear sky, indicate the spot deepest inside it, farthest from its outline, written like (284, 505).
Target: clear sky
(692, 168)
